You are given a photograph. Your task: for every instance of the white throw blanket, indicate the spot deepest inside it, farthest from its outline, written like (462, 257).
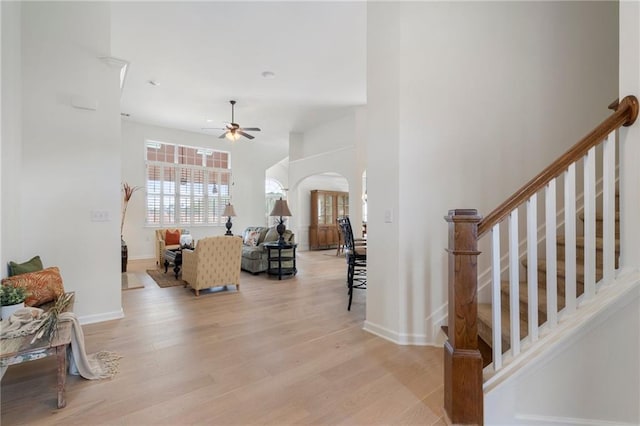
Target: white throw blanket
(22, 322)
(100, 365)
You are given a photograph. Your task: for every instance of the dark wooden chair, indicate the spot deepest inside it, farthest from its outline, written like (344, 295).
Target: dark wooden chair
(340, 248)
(356, 254)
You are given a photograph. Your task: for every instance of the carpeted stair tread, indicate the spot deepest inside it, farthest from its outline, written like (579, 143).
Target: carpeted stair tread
(560, 267)
(599, 216)
(484, 310)
(599, 220)
(580, 243)
(485, 324)
(580, 250)
(524, 300)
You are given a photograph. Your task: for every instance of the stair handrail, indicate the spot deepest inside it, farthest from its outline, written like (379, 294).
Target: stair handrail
(625, 114)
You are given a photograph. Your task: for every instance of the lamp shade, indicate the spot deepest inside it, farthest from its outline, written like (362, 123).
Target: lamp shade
(280, 208)
(229, 211)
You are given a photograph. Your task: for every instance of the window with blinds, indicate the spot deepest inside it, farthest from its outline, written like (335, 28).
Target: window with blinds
(186, 185)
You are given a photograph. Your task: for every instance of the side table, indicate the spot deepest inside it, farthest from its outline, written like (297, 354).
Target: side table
(279, 254)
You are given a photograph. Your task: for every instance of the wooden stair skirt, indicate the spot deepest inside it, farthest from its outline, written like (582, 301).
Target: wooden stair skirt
(484, 310)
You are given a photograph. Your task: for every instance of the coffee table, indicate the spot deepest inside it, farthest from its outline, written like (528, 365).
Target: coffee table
(173, 257)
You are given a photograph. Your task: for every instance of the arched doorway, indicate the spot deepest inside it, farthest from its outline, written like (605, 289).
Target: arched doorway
(273, 191)
(330, 182)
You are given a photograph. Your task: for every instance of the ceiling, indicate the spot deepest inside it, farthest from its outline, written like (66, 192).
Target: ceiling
(203, 54)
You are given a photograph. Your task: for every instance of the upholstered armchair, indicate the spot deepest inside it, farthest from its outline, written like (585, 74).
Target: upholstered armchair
(214, 262)
(161, 244)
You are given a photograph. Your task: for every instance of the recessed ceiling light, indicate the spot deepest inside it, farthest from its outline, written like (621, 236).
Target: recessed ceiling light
(268, 74)
(154, 83)
(209, 120)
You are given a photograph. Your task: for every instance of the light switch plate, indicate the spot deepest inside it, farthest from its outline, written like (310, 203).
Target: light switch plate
(99, 216)
(388, 216)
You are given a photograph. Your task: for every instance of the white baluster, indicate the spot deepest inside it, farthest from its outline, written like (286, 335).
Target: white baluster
(551, 247)
(514, 281)
(570, 238)
(532, 265)
(609, 206)
(590, 224)
(496, 304)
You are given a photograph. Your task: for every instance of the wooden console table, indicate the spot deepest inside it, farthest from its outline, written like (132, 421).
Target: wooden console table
(20, 349)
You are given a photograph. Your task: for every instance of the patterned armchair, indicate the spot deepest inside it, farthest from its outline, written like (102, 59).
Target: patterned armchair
(214, 262)
(161, 246)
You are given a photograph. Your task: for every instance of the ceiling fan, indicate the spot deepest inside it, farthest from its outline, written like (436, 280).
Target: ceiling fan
(233, 131)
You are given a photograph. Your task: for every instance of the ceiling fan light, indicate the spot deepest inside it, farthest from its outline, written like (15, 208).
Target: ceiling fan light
(232, 136)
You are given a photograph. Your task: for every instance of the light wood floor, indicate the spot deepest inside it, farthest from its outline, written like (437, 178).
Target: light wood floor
(276, 352)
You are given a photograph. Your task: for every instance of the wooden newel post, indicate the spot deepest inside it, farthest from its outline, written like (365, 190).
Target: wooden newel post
(463, 396)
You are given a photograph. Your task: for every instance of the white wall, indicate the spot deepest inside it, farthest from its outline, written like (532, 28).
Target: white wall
(466, 102)
(322, 154)
(279, 172)
(249, 161)
(383, 168)
(594, 380)
(629, 137)
(70, 163)
(330, 136)
(11, 124)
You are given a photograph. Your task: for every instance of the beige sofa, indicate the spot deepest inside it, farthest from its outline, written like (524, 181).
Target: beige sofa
(214, 262)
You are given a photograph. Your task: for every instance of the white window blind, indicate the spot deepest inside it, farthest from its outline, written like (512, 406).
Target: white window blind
(186, 185)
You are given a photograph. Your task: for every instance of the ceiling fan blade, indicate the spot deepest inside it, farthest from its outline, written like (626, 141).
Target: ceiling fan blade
(223, 135)
(212, 128)
(246, 135)
(251, 129)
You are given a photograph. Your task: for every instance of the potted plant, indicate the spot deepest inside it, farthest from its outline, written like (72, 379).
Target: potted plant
(128, 193)
(11, 299)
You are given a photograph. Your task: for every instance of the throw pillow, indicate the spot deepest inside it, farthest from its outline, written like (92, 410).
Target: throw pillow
(272, 235)
(42, 286)
(32, 265)
(252, 238)
(172, 237)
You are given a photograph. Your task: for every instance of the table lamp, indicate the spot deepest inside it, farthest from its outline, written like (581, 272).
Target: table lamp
(281, 209)
(229, 212)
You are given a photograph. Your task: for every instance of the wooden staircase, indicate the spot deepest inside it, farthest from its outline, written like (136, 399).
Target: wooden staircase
(484, 309)
(472, 342)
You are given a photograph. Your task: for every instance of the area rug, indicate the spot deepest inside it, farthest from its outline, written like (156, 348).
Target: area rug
(164, 280)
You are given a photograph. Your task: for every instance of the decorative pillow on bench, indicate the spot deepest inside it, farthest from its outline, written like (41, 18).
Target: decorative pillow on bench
(42, 286)
(32, 265)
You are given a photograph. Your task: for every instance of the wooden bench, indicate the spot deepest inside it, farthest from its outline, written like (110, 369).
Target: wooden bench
(20, 349)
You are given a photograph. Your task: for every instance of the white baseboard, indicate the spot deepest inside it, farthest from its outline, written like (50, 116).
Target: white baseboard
(433, 325)
(106, 316)
(559, 421)
(397, 338)
(143, 257)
